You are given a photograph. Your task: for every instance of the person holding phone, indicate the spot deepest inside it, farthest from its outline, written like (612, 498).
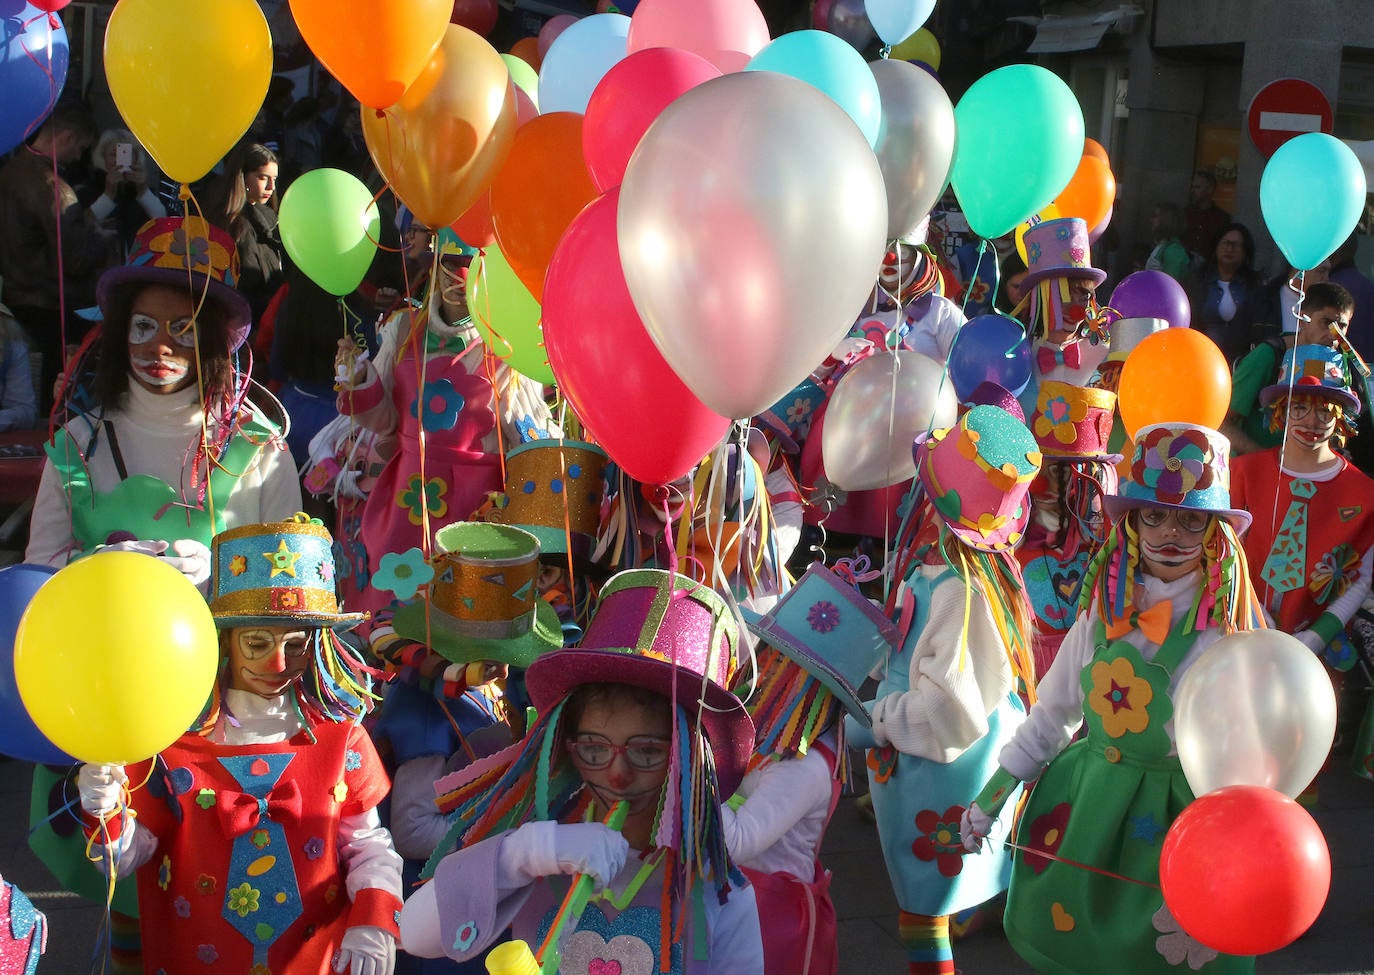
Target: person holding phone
(117, 192)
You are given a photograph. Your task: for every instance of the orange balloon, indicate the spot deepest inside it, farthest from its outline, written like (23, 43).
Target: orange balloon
(542, 186)
(1091, 147)
(1090, 193)
(376, 48)
(527, 50)
(442, 143)
(1174, 376)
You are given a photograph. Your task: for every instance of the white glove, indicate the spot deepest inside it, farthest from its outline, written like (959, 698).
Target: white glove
(101, 788)
(366, 950)
(543, 849)
(191, 558)
(974, 826)
(1312, 640)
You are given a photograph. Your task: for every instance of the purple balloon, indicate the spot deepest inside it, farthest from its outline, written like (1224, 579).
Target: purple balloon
(1152, 294)
(19, 736)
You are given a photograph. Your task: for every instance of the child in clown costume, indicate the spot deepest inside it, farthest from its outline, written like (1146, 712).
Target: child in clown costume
(948, 699)
(1169, 581)
(261, 848)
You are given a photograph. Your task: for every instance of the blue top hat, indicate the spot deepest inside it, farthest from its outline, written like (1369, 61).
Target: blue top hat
(1314, 370)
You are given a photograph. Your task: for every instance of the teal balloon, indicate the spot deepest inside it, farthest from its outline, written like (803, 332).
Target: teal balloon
(1312, 194)
(827, 62)
(330, 226)
(1020, 139)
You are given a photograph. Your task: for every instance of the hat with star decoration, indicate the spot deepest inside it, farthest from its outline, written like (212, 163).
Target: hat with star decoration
(276, 574)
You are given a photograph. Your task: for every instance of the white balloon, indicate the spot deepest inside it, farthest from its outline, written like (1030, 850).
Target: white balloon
(876, 411)
(1255, 708)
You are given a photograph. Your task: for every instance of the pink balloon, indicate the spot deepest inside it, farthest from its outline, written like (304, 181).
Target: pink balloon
(725, 32)
(551, 29)
(628, 99)
(633, 404)
(525, 109)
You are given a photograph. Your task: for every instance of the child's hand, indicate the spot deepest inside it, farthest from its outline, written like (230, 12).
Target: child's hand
(365, 950)
(101, 788)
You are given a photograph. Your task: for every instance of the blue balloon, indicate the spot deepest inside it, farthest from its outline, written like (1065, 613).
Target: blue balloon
(19, 736)
(990, 348)
(33, 69)
(896, 20)
(1312, 194)
(578, 59)
(825, 61)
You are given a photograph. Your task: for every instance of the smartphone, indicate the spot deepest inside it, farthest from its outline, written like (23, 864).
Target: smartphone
(124, 155)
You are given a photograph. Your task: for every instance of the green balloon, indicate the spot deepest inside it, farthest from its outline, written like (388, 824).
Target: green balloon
(524, 76)
(330, 226)
(1019, 142)
(508, 316)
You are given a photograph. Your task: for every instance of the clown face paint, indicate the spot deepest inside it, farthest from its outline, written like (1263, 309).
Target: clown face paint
(1168, 550)
(266, 660)
(162, 339)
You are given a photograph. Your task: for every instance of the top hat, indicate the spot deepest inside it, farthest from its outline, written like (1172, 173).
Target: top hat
(1074, 422)
(1127, 333)
(553, 491)
(1178, 465)
(1314, 370)
(1059, 249)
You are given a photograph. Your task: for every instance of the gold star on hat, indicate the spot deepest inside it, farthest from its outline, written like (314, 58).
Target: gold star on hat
(283, 560)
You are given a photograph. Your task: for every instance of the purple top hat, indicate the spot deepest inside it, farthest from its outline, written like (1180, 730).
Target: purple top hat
(1059, 249)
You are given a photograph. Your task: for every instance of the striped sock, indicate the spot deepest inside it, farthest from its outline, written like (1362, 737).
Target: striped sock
(926, 940)
(126, 945)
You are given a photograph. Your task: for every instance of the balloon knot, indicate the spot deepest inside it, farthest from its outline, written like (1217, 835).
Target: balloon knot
(381, 113)
(54, 21)
(184, 193)
(885, 52)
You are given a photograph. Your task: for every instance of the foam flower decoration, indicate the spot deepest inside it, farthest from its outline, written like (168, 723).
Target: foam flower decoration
(1173, 463)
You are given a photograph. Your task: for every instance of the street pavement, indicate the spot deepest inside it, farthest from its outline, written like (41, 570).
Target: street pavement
(1340, 943)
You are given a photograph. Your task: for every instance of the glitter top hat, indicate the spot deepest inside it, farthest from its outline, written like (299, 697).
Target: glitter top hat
(1059, 249)
(483, 603)
(1074, 422)
(1127, 333)
(1178, 465)
(1314, 370)
(553, 491)
(275, 574)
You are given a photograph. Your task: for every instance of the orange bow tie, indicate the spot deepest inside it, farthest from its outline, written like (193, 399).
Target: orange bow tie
(1153, 622)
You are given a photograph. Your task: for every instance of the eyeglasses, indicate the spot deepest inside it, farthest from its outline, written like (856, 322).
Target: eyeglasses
(1301, 407)
(144, 328)
(1192, 522)
(260, 643)
(643, 753)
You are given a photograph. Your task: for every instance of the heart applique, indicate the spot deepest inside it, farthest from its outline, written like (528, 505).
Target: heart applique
(603, 966)
(1066, 583)
(1063, 920)
(587, 953)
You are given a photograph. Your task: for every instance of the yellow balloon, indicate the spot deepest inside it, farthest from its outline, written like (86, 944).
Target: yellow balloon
(1051, 212)
(188, 78)
(115, 657)
(920, 46)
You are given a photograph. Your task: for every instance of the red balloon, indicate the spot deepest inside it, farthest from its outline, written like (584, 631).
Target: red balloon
(478, 16)
(474, 226)
(1245, 870)
(626, 101)
(617, 381)
(51, 6)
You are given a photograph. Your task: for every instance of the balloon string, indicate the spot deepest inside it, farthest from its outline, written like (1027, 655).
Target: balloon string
(1029, 851)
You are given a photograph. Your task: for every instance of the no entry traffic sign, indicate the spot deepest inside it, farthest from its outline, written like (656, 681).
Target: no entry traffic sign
(1286, 108)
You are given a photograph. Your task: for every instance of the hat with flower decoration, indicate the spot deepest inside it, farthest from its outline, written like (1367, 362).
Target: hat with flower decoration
(977, 474)
(1179, 465)
(789, 419)
(275, 574)
(827, 627)
(182, 253)
(1074, 422)
(553, 491)
(1313, 370)
(483, 603)
(671, 635)
(1059, 249)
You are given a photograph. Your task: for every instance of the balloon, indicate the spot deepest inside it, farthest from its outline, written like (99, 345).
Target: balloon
(478, 16)
(527, 50)
(533, 201)
(1020, 140)
(19, 736)
(152, 48)
(474, 226)
(1050, 212)
(915, 146)
(33, 69)
(1091, 147)
(1312, 163)
(725, 32)
(834, 67)
(631, 95)
(990, 348)
(330, 226)
(633, 403)
(1174, 376)
(875, 412)
(920, 46)
(1226, 896)
(896, 20)
(507, 315)
(1090, 192)
(123, 678)
(552, 28)
(1096, 232)
(1256, 708)
(580, 58)
(525, 77)
(440, 145)
(375, 48)
(846, 19)
(752, 221)
(51, 6)
(1152, 294)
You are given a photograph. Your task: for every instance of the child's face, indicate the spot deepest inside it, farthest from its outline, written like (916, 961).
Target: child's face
(265, 660)
(1171, 541)
(1311, 422)
(1317, 330)
(648, 735)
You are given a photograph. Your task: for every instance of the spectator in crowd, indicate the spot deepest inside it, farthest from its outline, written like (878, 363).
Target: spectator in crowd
(116, 191)
(18, 402)
(1169, 254)
(1203, 220)
(1227, 299)
(245, 204)
(1352, 279)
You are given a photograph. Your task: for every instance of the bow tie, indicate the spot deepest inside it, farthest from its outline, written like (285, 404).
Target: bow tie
(239, 812)
(1153, 622)
(1049, 356)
